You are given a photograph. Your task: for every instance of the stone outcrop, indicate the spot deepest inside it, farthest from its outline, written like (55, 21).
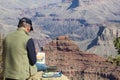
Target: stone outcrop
(38, 76)
(76, 64)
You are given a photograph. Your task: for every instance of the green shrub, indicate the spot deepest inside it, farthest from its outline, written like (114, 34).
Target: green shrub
(114, 60)
(117, 60)
(116, 43)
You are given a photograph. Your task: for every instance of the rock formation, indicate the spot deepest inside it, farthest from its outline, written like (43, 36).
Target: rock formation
(76, 64)
(103, 43)
(38, 76)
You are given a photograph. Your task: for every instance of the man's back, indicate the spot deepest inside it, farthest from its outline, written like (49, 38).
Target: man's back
(16, 59)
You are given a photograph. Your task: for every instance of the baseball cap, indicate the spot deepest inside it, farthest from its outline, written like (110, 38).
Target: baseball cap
(27, 20)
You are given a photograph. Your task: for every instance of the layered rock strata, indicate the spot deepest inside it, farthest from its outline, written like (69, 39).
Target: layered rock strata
(76, 64)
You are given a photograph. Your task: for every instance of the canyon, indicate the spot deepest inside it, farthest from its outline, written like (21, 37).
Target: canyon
(76, 35)
(76, 64)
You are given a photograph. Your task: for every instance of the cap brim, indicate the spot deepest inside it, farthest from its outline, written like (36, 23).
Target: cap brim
(31, 29)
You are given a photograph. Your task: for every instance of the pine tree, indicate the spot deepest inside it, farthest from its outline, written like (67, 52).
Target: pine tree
(117, 46)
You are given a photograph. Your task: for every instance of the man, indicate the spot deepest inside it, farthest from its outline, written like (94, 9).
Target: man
(19, 52)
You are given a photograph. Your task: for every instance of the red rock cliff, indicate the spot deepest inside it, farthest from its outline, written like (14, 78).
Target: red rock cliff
(76, 64)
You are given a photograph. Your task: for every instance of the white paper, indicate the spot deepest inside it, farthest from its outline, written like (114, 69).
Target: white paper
(41, 57)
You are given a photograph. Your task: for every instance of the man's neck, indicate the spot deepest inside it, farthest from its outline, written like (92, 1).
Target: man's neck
(24, 29)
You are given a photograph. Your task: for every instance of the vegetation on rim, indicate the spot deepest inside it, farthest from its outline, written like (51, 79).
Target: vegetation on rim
(1, 40)
(116, 60)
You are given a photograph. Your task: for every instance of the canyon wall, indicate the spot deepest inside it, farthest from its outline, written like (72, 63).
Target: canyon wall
(76, 64)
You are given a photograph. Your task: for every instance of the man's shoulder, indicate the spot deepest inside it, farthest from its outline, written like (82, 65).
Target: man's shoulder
(10, 33)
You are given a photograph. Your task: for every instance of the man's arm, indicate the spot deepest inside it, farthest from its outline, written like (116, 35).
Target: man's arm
(31, 52)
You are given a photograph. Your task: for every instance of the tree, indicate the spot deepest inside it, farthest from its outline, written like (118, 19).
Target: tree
(117, 46)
